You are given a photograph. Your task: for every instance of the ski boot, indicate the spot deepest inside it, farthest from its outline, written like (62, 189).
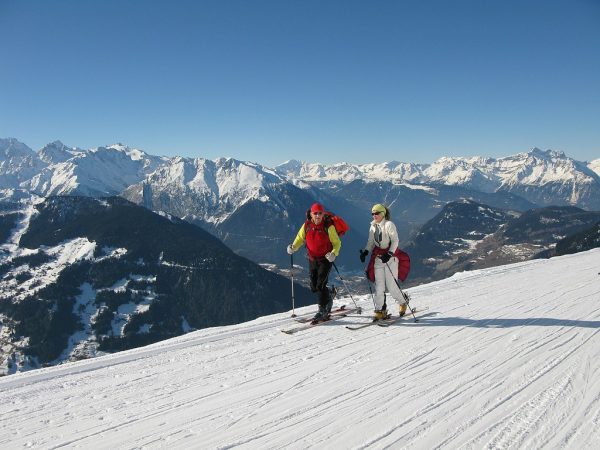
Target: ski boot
(402, 309)
(380, 314)
(317, 318)
(321, 316)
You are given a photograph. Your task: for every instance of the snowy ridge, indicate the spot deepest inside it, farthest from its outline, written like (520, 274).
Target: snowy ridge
(101, 171)
(542, 177)
(390, 171)
(10, 248)
(56, 152)
(536, 167)
(198, 188)
(498, 361)
(18, 163)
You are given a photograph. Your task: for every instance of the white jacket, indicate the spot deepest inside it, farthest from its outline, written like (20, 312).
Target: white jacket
(383, 235)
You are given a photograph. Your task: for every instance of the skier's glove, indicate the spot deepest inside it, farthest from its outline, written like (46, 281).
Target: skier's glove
(363, 255)
(386, 257)
(290, 249)
(330, 257)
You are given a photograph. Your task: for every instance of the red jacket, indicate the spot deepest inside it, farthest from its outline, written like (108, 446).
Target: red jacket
(318, 243)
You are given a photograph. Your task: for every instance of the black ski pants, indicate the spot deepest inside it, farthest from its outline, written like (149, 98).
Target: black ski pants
(319, 276)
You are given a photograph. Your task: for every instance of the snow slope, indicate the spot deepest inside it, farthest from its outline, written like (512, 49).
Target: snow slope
(507, 357)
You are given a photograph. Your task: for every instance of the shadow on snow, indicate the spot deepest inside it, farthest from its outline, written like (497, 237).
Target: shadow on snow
(429, 320)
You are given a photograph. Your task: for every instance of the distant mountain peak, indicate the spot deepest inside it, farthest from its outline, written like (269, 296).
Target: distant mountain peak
(13, 148)
(57, 152)
(535, 151)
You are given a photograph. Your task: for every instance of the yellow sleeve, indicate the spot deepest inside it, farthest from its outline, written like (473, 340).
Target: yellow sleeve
(335, 240)
(300, 238)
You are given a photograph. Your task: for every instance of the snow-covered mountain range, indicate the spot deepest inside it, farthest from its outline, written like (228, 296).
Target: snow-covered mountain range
(257, 210)
(59, 170)
(100, 171)
(248, 206)
(543, 177)
(205, 190)
(220, 195)
(535, 166)
(503, 358)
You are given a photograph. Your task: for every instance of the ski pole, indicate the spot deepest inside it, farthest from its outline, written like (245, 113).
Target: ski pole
(371, 291)
(346, 286)
(404, 294)
(292, 274)
(369, 284)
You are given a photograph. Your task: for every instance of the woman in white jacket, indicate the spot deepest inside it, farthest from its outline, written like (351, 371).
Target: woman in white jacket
(383, 242)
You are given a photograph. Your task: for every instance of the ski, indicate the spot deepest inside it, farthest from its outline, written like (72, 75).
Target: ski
(364, 325)
(385, 322)
(308, 325)
(341, 310)
(394, 319)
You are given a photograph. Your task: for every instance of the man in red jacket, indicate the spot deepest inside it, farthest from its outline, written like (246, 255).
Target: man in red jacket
(323, 246)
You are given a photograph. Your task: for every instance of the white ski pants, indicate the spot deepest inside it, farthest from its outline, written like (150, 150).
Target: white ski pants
(386, 279)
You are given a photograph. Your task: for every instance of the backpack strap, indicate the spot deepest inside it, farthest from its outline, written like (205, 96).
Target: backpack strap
(309, 225)
(327, 220)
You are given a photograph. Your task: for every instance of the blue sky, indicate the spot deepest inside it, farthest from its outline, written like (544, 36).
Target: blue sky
(320, 81)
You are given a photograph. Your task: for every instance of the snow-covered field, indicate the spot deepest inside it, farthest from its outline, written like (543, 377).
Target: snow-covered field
(507, 357)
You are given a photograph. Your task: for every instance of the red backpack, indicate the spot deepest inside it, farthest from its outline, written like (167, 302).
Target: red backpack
(403, 264)
(340, 225)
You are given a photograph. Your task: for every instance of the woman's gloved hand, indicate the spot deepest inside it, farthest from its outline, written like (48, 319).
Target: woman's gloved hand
(363, 255)
(386, 257)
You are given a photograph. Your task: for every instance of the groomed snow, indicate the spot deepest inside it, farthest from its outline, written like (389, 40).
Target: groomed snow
(507, 357)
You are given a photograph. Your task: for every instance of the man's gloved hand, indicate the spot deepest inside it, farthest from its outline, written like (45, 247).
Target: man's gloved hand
(290, 249)
(363, 255)
(330, 257)
(386, 257)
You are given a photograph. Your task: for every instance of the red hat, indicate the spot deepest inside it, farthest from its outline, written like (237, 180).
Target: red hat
(317, 207)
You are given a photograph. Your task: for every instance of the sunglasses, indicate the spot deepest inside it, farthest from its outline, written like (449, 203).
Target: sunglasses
(375, 213)
(317, 213)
